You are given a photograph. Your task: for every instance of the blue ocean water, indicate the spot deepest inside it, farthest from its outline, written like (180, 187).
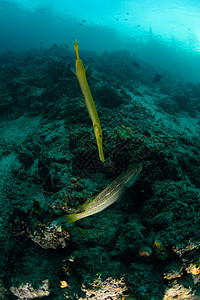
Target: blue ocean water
(165, 34)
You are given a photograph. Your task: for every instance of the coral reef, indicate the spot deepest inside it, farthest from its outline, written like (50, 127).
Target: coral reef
(108, 289)
(3, 292)
(26, 291)
(124, 133)
(49, 237)
(146, 246)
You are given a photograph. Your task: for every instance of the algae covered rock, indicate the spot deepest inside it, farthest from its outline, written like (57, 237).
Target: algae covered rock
(26, 157)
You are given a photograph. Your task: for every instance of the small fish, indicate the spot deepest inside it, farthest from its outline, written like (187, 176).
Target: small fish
(136, 65)
(109, 195)
(157, 77)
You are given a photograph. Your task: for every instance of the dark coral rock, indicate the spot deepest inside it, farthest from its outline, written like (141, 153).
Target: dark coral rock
(6, 102)
(26, 157)
(87, 162)
(185, 104)
(173, 205)
(55, 69)
(109, 97)
(129, 240)
(168, 105)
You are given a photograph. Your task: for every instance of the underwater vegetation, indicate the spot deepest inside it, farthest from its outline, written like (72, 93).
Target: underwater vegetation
(145, 246)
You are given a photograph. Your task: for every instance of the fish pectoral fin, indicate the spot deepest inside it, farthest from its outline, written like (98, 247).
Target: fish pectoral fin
(83, 207)
(72, 69)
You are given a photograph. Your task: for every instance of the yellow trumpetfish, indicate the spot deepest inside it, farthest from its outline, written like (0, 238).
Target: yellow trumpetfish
(80, 74)
(108, 196)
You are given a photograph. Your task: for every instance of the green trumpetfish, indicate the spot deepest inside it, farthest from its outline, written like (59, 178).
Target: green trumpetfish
(108, 196)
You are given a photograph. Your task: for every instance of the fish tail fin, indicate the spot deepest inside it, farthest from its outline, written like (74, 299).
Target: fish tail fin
(72, 218)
